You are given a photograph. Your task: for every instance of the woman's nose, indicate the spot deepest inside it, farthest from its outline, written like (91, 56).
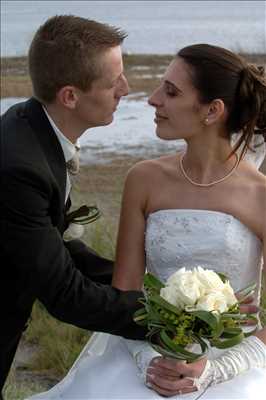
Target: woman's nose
(154, 99)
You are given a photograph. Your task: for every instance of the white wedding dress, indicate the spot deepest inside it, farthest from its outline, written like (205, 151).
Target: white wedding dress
(174, 238)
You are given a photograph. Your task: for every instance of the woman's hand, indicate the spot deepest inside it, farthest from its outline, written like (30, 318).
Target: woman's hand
(170, 377)
(248, 308)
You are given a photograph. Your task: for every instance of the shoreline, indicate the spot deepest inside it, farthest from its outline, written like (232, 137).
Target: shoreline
(143, 71)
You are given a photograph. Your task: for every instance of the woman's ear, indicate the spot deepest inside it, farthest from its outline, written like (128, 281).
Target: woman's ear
(67, 97)
(215, 112)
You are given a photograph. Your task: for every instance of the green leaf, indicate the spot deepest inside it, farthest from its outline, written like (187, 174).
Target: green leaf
(157, 299)
(247, 334)
(223, 277)
(140, 312)
(224, 344)
(202, 343)
(213, 320)
(231, 332)
(179, 350)
(234, 316)
(168, 353)
(141, 319)
(151, 282)
(246, 292)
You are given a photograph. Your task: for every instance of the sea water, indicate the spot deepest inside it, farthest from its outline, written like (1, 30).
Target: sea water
(154, 27)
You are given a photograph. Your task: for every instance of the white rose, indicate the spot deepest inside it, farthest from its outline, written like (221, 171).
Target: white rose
(213, 301)
(209, 279)
(168, 293)
(182, 289)
(229, 294)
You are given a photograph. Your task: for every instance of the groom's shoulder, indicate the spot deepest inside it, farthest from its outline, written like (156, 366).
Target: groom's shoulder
(13, 112)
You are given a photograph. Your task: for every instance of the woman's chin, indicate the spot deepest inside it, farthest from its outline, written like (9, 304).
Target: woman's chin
(165, 135)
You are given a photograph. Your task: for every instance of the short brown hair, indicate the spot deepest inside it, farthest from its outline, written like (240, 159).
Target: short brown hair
(218, 73)
(64, 51)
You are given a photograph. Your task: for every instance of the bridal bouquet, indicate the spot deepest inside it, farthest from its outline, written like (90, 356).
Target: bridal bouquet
(194, 307)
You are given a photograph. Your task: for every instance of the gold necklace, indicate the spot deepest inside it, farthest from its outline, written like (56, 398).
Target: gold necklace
(211, 183)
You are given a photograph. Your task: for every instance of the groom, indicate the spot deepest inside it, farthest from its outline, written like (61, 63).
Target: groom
(77, 75)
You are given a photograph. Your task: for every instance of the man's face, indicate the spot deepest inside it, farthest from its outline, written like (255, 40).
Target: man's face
(96, 106)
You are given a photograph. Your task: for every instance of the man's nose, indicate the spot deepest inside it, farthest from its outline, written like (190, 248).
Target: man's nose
(123, 87)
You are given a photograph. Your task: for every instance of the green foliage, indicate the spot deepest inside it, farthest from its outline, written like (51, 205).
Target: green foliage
(171, 328)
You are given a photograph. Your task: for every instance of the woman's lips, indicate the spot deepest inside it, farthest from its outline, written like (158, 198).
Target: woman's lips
(159, 118)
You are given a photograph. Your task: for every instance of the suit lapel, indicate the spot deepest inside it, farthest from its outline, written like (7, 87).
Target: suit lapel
(48, 141)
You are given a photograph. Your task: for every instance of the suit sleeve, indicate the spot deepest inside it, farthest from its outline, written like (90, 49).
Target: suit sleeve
(35, 247)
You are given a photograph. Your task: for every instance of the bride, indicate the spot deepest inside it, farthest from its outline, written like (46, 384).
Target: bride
(203, 206)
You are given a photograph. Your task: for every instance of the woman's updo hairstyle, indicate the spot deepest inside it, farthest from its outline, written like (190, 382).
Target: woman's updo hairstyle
(217, 73)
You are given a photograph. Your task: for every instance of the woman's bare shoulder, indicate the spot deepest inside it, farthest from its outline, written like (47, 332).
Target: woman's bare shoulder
(256, 182)
(154, 166)
(250, 172)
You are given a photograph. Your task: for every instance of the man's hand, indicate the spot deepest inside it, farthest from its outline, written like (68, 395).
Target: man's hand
(170, 377)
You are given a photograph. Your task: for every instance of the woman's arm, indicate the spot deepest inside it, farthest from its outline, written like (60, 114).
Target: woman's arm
(130, 252)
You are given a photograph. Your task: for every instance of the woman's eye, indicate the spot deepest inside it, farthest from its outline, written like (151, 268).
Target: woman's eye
(171, 93)
(170, 90)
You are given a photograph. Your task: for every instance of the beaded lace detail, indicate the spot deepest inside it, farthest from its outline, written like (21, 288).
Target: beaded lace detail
(177, 238)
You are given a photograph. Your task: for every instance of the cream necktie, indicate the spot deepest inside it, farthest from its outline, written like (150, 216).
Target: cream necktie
(73, 164)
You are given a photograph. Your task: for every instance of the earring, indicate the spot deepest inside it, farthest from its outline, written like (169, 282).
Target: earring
(206, 120)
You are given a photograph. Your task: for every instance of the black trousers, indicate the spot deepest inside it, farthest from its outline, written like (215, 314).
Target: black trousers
(7, 353)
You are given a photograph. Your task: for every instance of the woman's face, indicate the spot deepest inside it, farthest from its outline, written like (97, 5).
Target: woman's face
(178, 112)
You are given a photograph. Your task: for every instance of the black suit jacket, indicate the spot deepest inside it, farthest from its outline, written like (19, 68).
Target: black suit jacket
(35, 261)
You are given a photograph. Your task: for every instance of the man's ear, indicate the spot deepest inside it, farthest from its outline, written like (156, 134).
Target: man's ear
(215, 112)
(67, 96)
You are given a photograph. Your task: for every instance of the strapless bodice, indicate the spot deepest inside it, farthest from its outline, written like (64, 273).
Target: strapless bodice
(177, 238)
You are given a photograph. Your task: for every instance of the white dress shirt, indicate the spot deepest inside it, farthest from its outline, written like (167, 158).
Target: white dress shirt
(69, 149)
